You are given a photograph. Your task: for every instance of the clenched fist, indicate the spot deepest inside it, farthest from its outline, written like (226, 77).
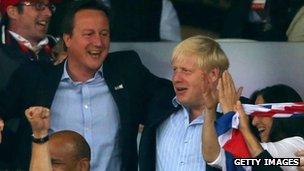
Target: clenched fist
(39, 118)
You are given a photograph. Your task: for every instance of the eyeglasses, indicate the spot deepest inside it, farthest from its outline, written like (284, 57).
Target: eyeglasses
(39, 6)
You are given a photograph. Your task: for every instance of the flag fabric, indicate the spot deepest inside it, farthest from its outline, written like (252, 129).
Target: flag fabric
(231, 139)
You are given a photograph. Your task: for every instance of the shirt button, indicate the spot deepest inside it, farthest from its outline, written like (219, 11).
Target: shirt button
(86, 106)
(182, 163)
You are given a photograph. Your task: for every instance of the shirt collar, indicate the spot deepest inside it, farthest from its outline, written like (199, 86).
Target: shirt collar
(26, 43)
(175, 102)
(66, 76)
(186, 112)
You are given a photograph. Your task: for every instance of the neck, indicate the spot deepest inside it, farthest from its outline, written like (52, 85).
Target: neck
(78, 73)
(195, 112)
(33, 41)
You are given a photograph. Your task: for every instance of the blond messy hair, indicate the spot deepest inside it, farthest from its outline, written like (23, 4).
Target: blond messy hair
(207, 52)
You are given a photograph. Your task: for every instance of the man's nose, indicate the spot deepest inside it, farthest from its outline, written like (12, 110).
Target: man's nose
(176, 76)
(97, 41)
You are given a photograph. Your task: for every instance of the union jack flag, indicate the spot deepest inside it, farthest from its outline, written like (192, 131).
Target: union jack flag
(231, 139)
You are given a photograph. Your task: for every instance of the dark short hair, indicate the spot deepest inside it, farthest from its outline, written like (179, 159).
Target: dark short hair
(80, 145)
(5, 19)
(76, 6)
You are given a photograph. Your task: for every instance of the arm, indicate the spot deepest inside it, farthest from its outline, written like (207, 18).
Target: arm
(39, 120)
(300, 154)
(169, 24)
(1, 128)
(210, 144)
(227, 96)
(253, 144)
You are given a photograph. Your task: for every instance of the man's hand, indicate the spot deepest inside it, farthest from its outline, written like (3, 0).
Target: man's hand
(1, 128)
(39, 119)
(300, 154)
(210, 97)
(228, 96)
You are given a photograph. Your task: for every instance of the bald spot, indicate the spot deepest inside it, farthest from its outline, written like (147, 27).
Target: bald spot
(71, 143)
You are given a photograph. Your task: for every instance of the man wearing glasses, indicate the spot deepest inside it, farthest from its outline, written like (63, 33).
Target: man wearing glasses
(23, 38)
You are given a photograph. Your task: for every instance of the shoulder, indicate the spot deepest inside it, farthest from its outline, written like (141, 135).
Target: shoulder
(123, 55)
(123, 59)
(285, 147)
(34, 69)
(289, 140)
(52, 40)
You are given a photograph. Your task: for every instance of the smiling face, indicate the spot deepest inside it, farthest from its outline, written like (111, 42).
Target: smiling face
(88, 44)
(263, 124)
(189, 82)
(30, 23)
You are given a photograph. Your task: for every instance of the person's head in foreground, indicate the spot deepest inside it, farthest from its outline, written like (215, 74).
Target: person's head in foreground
(69, 151)
(274, 129)
(197, 63)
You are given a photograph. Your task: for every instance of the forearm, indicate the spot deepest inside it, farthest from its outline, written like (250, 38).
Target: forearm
(41, 159)
(253, 144)
(210, 145)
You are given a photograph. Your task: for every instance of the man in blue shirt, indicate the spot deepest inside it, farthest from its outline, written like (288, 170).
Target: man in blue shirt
(173, 140)
(102, 96)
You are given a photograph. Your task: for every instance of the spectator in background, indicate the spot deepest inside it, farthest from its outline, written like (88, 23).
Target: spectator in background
(143, 20)
(295, 32)
(64, 150)
(24, 24)
(23, 34)
(268, 21)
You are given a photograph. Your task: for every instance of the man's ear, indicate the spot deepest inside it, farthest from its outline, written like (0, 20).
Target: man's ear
(214, 75)
(67, 39)
(12, 12)
(84, 164)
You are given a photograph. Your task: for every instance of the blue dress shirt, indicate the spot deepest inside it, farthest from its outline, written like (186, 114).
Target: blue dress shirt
(89, 109)
(178, 143)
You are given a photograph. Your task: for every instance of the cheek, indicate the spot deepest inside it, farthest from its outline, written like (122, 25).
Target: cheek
(106, 42)
(267, 121)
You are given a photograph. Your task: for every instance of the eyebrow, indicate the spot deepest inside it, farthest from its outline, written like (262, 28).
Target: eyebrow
(86, 30)
(53, 160)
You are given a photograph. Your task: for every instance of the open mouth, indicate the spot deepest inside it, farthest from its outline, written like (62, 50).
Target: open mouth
(261, 130)
(94, 53)
(42, 23)
(180, 90)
